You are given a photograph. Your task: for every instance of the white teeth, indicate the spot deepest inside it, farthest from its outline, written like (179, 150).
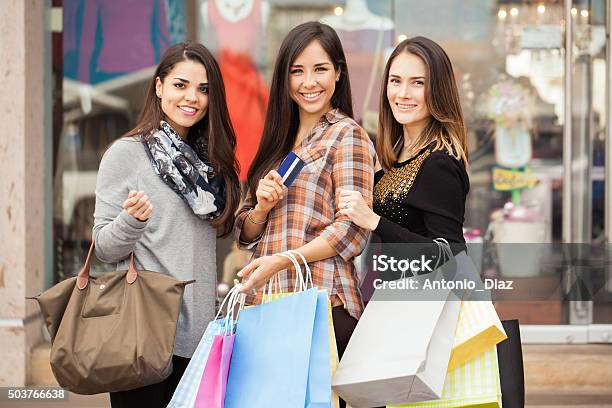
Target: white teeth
(311, 95)
(187, 109)
(406, 106)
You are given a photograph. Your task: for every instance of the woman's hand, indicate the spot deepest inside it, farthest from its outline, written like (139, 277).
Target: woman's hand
(257, 273)
(138, 205)
(270, 191)
(352, 204)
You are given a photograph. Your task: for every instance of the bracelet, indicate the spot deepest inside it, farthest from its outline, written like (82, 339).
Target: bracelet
(250, 215)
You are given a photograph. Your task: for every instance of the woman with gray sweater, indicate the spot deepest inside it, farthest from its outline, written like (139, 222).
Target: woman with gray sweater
(166, 190)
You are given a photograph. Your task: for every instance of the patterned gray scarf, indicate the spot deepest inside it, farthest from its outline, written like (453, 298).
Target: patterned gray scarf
(184, 172)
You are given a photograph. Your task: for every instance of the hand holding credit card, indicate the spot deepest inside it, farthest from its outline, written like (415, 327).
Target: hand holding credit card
(290, 168)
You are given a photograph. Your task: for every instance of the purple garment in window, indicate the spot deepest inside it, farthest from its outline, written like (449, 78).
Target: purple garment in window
(120, 36)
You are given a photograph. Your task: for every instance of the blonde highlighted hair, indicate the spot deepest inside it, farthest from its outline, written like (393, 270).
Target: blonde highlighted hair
(446, 128)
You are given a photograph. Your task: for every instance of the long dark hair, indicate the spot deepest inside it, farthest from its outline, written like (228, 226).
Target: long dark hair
(282, 119)
(446, 126)
(213, 137)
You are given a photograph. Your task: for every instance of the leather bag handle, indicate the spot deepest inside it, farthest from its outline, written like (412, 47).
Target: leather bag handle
(83, 275)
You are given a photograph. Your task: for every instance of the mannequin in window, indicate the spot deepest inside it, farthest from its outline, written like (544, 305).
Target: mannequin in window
(234, 29)
(367, 39)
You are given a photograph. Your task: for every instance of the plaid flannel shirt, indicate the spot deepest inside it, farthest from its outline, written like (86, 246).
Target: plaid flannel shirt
(338, 154)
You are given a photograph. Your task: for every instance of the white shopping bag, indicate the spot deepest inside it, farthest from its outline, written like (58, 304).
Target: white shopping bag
(400, 349)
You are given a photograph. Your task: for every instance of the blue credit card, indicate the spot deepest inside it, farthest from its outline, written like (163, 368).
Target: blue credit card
(290, 168)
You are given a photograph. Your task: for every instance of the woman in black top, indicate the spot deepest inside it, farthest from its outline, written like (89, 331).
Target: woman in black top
(420, 191)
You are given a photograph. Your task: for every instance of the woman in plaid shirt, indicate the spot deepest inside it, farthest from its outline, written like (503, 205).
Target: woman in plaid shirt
(310, 113)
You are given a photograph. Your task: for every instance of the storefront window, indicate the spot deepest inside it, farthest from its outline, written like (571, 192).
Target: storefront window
(109, 52)
(508, 57)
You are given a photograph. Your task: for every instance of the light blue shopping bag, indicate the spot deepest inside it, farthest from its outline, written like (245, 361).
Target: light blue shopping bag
(318, 391)
(271, 356)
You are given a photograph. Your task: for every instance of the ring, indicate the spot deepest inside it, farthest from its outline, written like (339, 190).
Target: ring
(345, 205)
(253, 291)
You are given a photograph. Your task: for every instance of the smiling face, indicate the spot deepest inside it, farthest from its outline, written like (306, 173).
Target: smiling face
(406, 91)
(184, 95)
(312, 81)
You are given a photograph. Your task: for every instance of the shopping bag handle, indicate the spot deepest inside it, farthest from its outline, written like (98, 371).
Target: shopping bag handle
(301, 282)
(233, 298)
(308, 271)
(83, 276)
(237, 299)
(298, 272)
(225, 299)
(444, 254)
(443, 249)
(275, 279)
(269, 287)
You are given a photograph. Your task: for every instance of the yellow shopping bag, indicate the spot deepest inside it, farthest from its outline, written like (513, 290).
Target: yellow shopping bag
(478, 329)
(473, 384)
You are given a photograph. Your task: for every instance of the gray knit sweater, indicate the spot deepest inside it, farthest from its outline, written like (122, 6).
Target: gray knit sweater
(173, 241)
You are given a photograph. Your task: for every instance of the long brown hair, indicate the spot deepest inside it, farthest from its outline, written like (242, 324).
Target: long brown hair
(283, 119)
(446, 126)
(213, 137)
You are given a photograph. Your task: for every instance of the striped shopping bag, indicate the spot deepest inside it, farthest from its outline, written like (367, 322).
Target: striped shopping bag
(187, 388)
(473, 384)
(478, 329)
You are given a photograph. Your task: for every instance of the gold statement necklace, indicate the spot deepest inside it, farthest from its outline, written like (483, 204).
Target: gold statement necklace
(396, 183)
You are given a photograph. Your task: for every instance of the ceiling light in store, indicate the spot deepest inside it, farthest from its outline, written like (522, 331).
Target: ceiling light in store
(338, 11)
(514, 12)
(502, 14)
(574, 11)
(541, 9)
(401, 38)
(584, 13)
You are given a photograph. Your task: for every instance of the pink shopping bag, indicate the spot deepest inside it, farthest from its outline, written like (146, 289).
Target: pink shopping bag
(211, 393)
